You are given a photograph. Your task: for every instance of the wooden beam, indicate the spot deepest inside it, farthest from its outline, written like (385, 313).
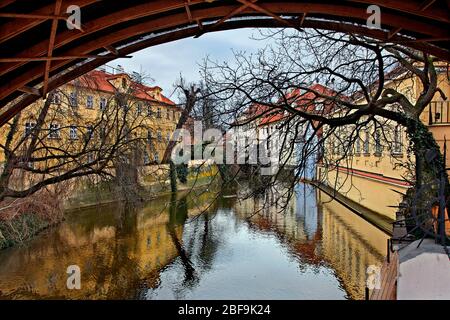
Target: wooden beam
(112, 50)
(266, 12)
(225, 18)
(32, 16)
(188, 10)
(156, 6)
(30, 90)
(59, 58)
(51, 43)
(411, 7)
(177, 19)
(394, 32)
(302, 19)
(15, 27)
(426, 4)
(200, 24)
(12, 110)
(423, 40)
(4, 3)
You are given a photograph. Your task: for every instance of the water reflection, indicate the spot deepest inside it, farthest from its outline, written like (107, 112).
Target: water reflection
(309, 249)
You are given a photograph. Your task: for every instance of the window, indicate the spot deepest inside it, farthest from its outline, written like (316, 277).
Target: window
(168, 114)
(73, 99)
(149, 135)
(398, 140)
(56, 98)
(367, 142)
(149, 111)
(124, 83)
(378, 147)
(90, 102)
(139, 108)
(73, 134)
(168, 136)
(54, 131)
(146, 158)
(102, 103)
(156, 157)
(158, 113)
(90, 132)
(358, 145)
(29, 126)
(174, 115)
(90, 157)
(159, 135)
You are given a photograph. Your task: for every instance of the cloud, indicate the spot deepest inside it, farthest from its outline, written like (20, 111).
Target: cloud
(165, 62)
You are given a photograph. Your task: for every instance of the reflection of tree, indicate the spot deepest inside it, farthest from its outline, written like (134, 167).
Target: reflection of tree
(178, 214)
(124, 270)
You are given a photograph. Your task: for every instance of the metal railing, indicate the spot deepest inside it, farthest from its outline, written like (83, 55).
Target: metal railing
(439, 112)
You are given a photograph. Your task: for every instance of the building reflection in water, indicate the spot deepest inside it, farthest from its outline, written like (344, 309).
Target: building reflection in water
(319, 231)
(128, 253)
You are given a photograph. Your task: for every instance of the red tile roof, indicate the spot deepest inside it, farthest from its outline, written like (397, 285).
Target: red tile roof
(304, 101)
(102, 81)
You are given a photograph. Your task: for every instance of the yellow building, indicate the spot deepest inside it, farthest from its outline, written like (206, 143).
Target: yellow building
(374, 170)
(76, 111)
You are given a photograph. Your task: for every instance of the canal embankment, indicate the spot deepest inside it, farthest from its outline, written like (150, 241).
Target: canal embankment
(380, 221)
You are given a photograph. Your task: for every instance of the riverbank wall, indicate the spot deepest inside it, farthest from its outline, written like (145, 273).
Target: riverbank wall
(21, 220)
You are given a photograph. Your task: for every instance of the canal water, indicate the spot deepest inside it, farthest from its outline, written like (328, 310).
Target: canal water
(313, 248)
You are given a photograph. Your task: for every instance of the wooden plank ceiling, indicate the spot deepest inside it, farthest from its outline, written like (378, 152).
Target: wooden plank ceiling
(38, 52)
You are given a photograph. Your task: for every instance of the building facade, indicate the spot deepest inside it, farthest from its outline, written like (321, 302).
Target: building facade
(375, 169)
(78, 110)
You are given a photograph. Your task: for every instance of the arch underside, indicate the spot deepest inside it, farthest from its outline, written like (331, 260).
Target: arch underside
(39, 53)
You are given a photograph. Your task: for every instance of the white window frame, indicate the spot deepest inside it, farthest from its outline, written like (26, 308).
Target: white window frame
(90, 102)
(54, 131)
(73, 132)
(73, 99)
(103, 103)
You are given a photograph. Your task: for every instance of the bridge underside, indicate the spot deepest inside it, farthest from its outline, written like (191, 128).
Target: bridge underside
(39, 52)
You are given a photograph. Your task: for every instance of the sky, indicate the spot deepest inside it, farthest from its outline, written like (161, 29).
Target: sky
(165, 62)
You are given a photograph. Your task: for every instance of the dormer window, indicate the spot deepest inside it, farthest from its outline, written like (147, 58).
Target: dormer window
(124, 83)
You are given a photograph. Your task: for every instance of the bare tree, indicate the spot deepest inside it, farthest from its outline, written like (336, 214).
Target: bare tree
(56, 142)
(362, 75)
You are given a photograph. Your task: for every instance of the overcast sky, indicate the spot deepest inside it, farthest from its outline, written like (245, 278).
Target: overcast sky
(165, 62)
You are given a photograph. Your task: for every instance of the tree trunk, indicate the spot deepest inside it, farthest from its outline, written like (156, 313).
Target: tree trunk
(432, 186)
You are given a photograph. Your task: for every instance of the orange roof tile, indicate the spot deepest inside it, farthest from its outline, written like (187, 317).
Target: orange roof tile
(100, 80)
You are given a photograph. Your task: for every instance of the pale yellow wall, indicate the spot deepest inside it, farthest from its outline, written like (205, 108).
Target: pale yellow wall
(372, 193)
